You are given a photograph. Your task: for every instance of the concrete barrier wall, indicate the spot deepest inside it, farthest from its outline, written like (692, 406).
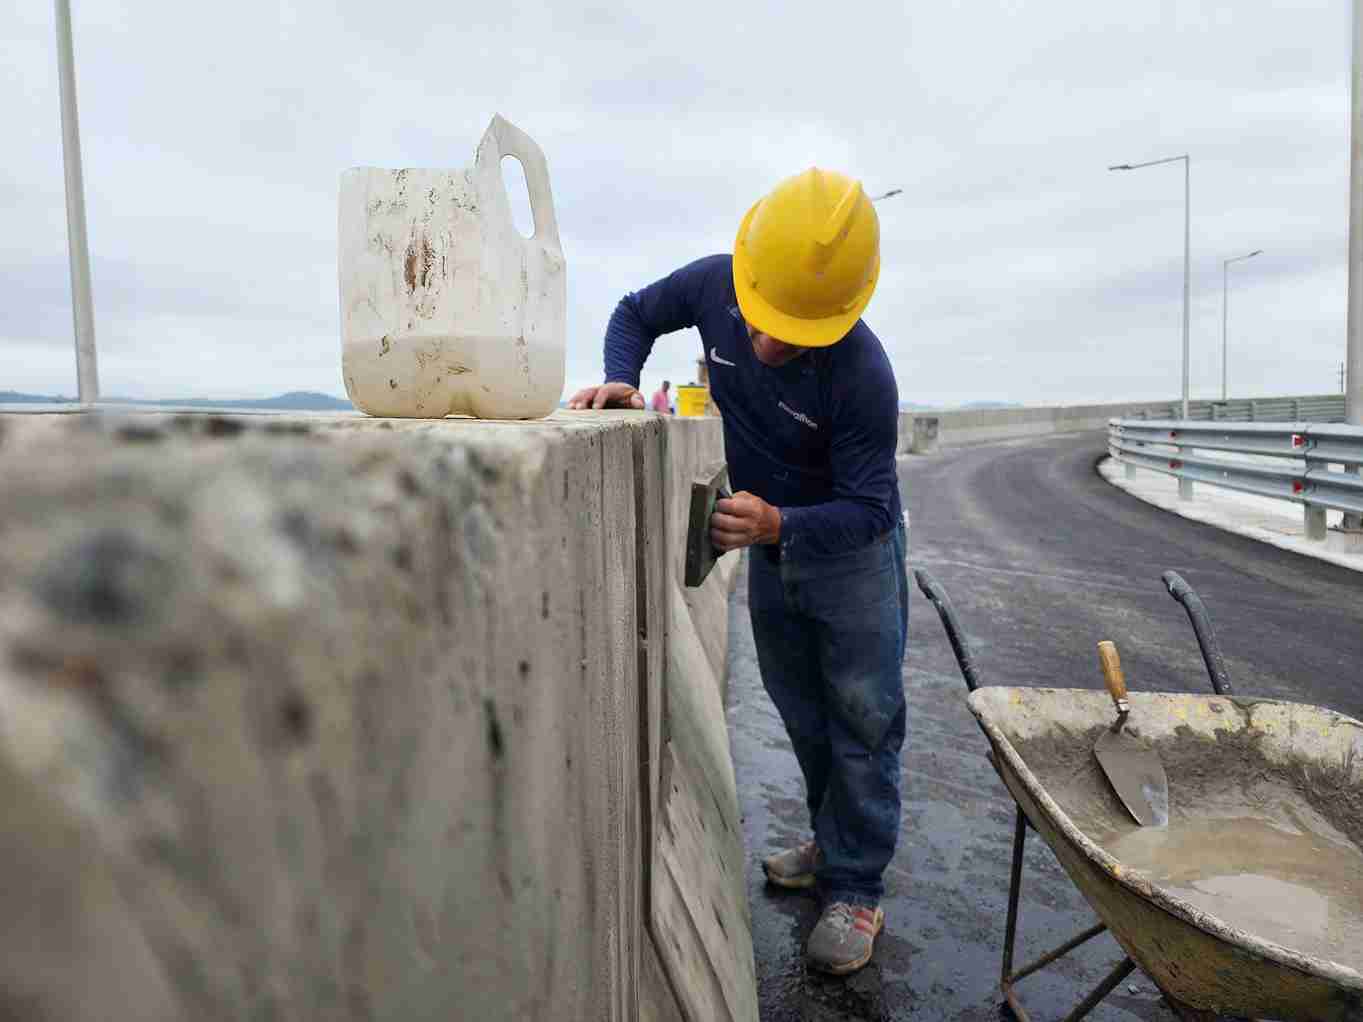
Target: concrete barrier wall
(979, 426)
(958, 427)
(700, 918)
(340, 718)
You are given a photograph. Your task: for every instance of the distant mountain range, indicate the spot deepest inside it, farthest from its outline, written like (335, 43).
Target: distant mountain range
(312, 401)
(294, 400)
(912, 406)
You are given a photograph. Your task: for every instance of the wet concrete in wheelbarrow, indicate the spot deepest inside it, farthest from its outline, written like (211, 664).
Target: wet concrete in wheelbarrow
(1042, 559)
(1269, 847)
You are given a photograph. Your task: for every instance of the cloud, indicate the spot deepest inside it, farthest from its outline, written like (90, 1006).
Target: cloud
(1016, 266)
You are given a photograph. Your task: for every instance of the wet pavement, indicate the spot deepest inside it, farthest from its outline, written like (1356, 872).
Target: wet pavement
(1042, 559)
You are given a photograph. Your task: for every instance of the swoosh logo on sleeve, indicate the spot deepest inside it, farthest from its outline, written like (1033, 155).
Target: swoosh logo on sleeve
(717, 358)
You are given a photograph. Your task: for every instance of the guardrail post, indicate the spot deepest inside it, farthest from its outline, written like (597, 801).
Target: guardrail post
(1296, 409)
(1254, 411)
(925, 431)
(1314, 522)
(1185, 486)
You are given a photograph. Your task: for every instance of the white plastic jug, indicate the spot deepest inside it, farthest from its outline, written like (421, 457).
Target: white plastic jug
(445, 307)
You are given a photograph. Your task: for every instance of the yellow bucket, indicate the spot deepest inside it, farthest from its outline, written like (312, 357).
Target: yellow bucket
(692, 400)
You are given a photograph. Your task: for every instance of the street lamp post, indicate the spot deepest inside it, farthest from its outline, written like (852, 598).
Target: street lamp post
(1187, 236)
(1353, 399)
(1225, 308)
(1354, 356)
(87, 371)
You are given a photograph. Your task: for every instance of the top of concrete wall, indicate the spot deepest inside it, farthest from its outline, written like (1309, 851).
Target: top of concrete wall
(325, 716)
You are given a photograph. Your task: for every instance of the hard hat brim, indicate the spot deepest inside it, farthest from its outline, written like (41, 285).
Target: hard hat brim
(781, 326)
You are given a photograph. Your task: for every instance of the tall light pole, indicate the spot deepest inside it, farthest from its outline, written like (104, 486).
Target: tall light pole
(1225, 308)
(1187, 244)
(82, 309)
(1353, 395)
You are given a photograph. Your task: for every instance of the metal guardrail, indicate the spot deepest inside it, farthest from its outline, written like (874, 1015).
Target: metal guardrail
(1316, 408)
(1315, 465)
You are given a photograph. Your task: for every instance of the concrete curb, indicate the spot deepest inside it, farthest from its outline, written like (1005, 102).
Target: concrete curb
(1223, 515)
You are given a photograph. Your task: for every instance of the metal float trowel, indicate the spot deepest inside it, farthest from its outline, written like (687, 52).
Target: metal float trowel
(1132, 767)
(700, 552)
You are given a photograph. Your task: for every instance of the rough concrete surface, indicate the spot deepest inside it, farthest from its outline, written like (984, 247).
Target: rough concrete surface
(341, 718)
(1042, 558)
(700, 915)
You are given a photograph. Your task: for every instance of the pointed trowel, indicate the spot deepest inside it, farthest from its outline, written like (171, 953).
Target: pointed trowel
(1132, 767)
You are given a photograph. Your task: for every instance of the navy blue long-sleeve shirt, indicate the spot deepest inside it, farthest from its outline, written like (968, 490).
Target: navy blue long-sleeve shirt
(816, 437)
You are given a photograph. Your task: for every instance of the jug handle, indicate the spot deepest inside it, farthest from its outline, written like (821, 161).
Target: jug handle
(509, 140)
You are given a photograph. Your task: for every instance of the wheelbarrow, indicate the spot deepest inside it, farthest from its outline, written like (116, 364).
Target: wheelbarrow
(1250, 903)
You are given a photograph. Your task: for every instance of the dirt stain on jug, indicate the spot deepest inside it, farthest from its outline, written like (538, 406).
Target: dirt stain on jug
(417, 264)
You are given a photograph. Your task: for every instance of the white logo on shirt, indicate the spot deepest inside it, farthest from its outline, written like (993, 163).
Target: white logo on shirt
(715, 356)
(797, 416)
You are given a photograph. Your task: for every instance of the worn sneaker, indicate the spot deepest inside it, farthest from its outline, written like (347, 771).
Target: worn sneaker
(844, 938)
(793, 868)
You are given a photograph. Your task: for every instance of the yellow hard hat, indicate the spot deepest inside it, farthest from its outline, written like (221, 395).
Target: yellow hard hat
(807, 258)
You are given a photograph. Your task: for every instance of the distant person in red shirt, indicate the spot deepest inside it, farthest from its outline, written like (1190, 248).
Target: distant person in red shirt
(660, 400)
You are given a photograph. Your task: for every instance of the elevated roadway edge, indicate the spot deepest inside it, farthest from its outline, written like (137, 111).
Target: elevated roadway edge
(1042, 558)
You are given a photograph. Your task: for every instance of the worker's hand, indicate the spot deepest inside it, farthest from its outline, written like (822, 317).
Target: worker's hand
(607, 395)
(744, 520)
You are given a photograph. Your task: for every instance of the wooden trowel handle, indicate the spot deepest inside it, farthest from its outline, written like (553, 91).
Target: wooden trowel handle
(1112, 675)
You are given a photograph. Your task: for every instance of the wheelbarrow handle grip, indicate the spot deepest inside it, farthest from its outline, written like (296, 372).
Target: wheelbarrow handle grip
(1112, 674)
(1202, 628)
(933, 590)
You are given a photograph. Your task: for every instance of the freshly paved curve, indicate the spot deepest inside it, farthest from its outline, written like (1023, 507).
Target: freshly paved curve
(1042, 559)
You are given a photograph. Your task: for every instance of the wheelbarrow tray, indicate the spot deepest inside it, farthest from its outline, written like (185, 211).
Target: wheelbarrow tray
(1290, 763)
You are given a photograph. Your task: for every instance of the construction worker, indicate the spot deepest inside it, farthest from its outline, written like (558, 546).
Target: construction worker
(810, 411)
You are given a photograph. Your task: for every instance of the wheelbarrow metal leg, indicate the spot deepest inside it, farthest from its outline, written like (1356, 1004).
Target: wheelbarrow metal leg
(1009, 977)
(1123, 969)
(1014, 890)
(1059, 952)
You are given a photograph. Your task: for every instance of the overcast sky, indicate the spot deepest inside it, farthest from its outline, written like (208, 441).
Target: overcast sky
(1015, 266)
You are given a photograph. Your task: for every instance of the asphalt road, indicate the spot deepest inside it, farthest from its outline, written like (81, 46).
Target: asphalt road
(1042, 559)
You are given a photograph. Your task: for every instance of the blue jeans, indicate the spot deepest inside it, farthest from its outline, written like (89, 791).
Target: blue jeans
(830, 636)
